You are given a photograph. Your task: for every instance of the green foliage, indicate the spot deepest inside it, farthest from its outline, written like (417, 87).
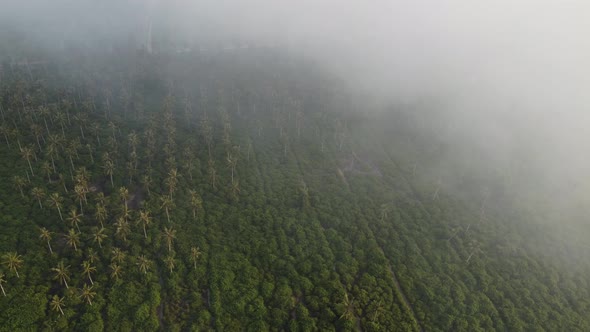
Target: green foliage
(24, 309)
(313, 220)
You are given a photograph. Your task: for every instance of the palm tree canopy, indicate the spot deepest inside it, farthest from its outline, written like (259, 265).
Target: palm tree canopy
(61, 272)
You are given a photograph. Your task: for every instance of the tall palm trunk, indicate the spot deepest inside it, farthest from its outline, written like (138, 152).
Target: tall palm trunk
(30, 167)
(46, 127)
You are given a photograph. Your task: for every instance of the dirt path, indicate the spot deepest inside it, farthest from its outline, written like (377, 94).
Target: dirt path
(161, 305)
(405, 301)
(408, 306)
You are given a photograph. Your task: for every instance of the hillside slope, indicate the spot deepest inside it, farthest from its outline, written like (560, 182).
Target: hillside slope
(241, 193)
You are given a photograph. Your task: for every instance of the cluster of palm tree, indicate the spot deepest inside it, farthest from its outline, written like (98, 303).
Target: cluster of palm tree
(62, 274)
(89, 215)
(60, 136)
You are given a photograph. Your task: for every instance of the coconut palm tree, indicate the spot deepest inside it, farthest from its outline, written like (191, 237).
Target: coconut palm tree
(196, 202)
(304, 193)
(475, 248)
(100, 199)
(51, 151)
(82, 177)
(122, 228)
(385, 208)
(92, 255)
(285, 141)
(13, 262)
(131, 168)
(82, 119)
(87, 293)
(37, 132)
(172, 181)
(235, 190)
(73, 239)
(298, 121)
(90, 150)
(2, 281)
(170, 262)
(47, 170)
(143, 264)
(248, 148)
(95, 129)
(145, 219)
(226, 138)
(195, 253)
(169, 235)
(118, 255)
(61, 118)
(232, 162)
(80, 192)
(62, 181)
(6, 131)
(19, 183)
(115, 271)
(348, 305)
(124, 195)
(109, 170)
(62, 273)
(171, 159)
(188, 157)
(56, 200)
(88, 269)
(378, 311)
(113, 127)
(167, 204)
(46, 236)
(27, 153)
(146, 181)
(70, 153)
(38, 194)
(98, 236)
(207, 131)
(101, 213)
(57, 304)
(212, 173)
(133, 140)
(75, 218)
(436, 190)
(75, 145)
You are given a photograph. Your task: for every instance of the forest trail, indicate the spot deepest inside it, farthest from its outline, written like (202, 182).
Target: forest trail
(407, 303)
(161, 305)
(404, 298)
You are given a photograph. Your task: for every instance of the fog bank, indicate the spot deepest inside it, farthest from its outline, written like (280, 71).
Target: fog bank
(512, 77)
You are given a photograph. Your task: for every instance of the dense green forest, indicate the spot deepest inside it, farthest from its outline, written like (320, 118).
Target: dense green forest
(246, 190)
